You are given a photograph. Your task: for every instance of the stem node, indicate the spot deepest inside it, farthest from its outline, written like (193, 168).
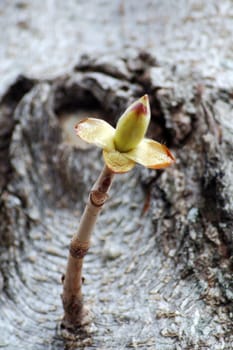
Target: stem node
(78, 249)
(74, 311)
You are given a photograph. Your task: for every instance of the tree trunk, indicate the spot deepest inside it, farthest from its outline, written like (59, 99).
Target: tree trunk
(158, 274)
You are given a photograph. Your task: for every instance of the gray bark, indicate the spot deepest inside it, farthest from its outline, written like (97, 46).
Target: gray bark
(159, 272)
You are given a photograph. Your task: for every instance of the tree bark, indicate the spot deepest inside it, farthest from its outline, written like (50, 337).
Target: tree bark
(159, 272)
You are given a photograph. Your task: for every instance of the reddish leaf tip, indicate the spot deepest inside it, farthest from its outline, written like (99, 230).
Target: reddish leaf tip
(169, 154)
(140, 109)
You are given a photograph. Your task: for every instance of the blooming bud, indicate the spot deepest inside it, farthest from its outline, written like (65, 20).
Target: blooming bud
(132, 125)
(125, 146)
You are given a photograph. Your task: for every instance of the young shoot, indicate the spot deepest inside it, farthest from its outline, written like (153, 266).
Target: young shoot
(123, 147)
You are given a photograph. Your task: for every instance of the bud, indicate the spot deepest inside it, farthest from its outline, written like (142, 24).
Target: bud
(132, 125)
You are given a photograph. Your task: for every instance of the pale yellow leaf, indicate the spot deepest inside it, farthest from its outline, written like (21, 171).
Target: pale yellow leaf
(151, 154)
(96, 131)
(117, 162)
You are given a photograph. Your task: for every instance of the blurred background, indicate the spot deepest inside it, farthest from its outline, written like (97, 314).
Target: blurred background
(46, 38)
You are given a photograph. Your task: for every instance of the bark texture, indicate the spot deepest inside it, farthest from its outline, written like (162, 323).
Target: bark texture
(161, 256)
(159, 272)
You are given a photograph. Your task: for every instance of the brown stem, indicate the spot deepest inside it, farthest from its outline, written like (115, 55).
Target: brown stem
(72, 284)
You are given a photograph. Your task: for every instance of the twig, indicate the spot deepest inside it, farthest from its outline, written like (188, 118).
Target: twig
(72, 285)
